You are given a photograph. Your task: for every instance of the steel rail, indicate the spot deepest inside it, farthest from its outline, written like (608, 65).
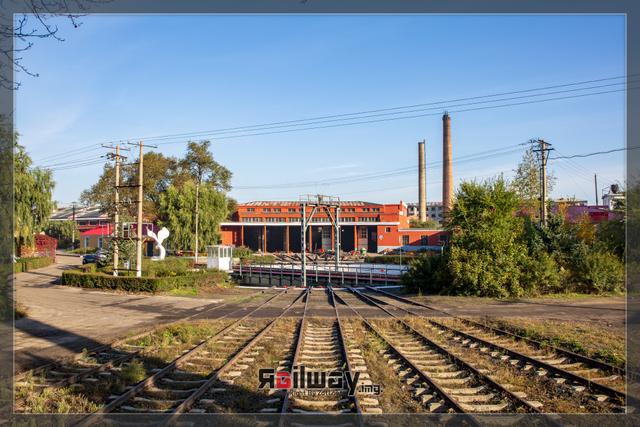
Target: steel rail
(120, 341)
(578, 357)
(296, 354)
(356, 400)
(149, 381)
(591, 385)
(425, 377)
(192, 399)
(518, 401)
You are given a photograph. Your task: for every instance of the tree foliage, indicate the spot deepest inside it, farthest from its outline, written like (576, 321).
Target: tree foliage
(430, 224)
(159, 171)
(526, 182)
(33, 203)
(486, 249)
(202, 167)
(176, 209)
(497, 251)
(64, 231)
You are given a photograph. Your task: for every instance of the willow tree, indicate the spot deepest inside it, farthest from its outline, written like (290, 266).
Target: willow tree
(176, 208)
(33, 202)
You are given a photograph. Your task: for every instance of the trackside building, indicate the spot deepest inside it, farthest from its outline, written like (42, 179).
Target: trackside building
(274, 226)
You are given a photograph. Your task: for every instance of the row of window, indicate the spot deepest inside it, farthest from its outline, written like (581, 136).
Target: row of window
(318, 219)
(298, 210)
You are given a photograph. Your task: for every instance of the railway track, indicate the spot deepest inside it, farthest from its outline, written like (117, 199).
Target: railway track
(102, 352)
(89, 368)
(573, 372)
(321, 347)
(179, 384)
(605, 367)
(440, 380)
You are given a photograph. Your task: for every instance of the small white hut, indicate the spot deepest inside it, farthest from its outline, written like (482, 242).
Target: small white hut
(219, 256)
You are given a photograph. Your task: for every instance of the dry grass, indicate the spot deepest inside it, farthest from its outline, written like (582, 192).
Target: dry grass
(395, 396)
(555, 398)
(161, 347)
(600, 341)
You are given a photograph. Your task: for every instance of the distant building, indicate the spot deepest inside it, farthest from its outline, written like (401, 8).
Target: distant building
(98, 237)
(435, 210)
(613, 200)
(86, 217)
(274, 226)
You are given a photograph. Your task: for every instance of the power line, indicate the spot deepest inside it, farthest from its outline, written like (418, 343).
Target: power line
(595, 153)
(308, 121)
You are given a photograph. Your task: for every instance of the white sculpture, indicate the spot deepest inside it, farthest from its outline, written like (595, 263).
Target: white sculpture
(162, 235)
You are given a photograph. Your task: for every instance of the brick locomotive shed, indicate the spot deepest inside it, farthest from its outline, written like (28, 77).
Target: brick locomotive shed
(274, 226)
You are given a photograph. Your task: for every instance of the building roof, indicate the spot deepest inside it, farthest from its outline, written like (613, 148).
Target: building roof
(293, 203)
(82, 212)
(103, 230)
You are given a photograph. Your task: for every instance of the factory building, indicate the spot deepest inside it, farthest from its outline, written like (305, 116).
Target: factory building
(274, 226)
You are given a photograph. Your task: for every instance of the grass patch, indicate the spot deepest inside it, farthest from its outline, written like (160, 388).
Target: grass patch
(599, 341)
(133, 372)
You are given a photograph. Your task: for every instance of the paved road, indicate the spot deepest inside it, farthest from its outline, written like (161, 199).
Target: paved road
(63, 320)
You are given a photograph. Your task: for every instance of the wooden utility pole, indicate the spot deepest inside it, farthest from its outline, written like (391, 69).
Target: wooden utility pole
(543, 155)
(73, 229)
(140, 195)
(197, 220)
(595, 181)
(115, 237)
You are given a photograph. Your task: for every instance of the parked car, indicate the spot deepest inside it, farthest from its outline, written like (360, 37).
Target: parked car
(93, 258)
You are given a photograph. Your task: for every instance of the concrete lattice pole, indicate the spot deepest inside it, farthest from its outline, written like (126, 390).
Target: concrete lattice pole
(422, 181)
(447, 169)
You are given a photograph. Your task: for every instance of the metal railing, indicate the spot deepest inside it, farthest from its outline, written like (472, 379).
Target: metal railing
(290, 274)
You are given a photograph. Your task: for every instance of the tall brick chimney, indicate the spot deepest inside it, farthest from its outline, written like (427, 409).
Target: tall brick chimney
(422, 182)
(447, 170)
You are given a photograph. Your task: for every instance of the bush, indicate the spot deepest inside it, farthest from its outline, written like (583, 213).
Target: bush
(541, 274)
(121, 283)
(242, 252)
(169, 267)
(28, 264)
(83, 251)
(92, 280)
(595, 270)
(429, 274)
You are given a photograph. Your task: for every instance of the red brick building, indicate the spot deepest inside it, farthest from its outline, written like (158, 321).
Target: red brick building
(275, 227)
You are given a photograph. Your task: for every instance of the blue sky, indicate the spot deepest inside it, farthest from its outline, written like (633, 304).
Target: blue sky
(121, 77)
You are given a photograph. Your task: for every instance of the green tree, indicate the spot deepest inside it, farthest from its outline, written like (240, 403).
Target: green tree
(202, 167)
(176, 209)
(33, 203)
(487, 250)
(526, 182)
(430, 224)
(64, 231)
(160, 171)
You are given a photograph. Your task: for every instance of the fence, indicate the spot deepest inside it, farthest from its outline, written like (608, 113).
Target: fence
(318, 274)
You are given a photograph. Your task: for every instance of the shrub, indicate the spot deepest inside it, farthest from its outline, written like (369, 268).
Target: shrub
(103, 281)
(242, 252)
(541, 274)
(169, 267)
(428, 273)
(28, 264)
(143, 284)
(595, 270)
(83, 251)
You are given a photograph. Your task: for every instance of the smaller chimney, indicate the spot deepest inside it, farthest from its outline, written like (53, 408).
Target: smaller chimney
(447, 170)
(422, 181)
